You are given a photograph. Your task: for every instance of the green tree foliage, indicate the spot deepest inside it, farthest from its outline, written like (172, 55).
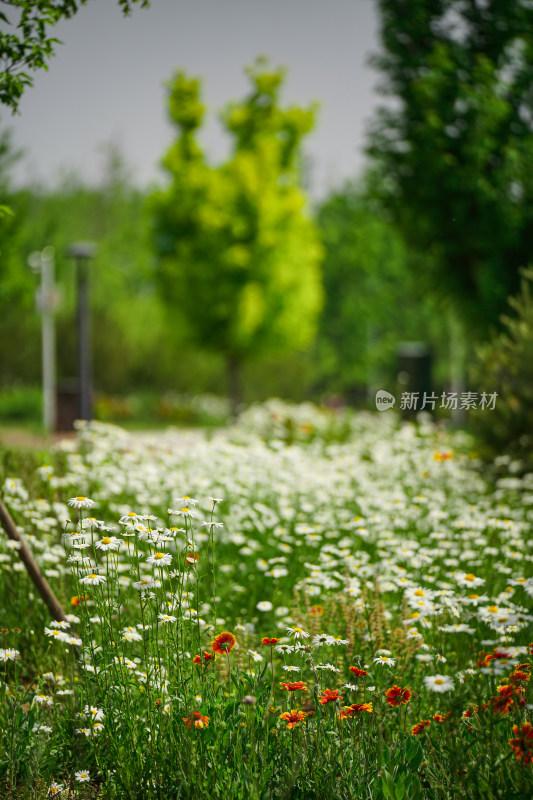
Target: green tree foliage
(238, 253)
(127, 321)
(455, 147)
(25, 41)
(505, 366)
(372, 298)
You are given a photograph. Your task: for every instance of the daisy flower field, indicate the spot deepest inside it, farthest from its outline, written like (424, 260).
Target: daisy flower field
(256, 617)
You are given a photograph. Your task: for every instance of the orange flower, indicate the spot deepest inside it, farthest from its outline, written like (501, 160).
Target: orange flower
(443, 455)
(355, 709)
(297, 686)
(204, 657)
(419, 727)
(397, 696)
(77, 599)
(191, 558)
(293, 717)
(197, 720)
(359, 673)
(522, 745)
(507, 695)
(442, 717)
(270, 642)
(330, 696)
(223, 643)
(317, 611)
(520, 675)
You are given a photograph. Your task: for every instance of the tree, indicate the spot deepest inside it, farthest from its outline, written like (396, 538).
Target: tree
(455, 152)
(372, 298)
(238, 253)
(27, 45)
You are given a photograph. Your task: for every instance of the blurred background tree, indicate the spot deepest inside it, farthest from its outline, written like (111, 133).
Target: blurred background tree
(373, 298)
(454, 148)
(238, 250)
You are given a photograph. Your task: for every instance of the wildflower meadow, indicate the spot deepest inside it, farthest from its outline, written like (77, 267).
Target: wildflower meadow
(344, 613)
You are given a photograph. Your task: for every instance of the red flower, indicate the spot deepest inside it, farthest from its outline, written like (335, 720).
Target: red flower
(419, 727)
(330, 696)
(397, 696)
(442, 717)
(197, 720)
(297, 686)
(317, 611)
(359, 673)
(223, 643)
(507, 695)
(522, 745)
(204, 657)
(355, 709)
(269, 642)
(293, 717)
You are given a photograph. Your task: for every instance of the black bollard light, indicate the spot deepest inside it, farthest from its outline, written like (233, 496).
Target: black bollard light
(82, 253)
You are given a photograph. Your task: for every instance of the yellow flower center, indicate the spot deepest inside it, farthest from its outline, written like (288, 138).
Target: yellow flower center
(493, 609)
(419, 593)
(298, 630)
(439, 680)
(159, 555)
(80, 498)
(470, 577)
(185, 509)
(106, 540)
(473, 596)
(132, 514)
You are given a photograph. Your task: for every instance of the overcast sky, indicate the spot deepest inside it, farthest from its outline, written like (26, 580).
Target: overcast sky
(106, 82)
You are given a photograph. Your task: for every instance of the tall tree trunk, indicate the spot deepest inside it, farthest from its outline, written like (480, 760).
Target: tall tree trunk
(234, 383)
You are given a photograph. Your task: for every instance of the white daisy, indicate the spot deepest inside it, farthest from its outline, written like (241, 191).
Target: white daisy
(385, 661)
(81, 502)
(297, 633)
(93, 579)
(438, 683)
(108, 543)
(160, 559)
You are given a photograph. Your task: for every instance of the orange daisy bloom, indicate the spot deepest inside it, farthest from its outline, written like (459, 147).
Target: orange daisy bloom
(223, 643)
(269, 641)
(507, 695)
(355, 709)
(419, 727)
(359, 673)
(204, 657)
(442, 717)
(297, 686)
(293, 717)
(397, 696)
(522, 745)
(330, 696)
(196, 719)
(520, 675)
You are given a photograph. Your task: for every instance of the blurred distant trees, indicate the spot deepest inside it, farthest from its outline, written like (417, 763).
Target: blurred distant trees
(372, 298)
(25, 43)
(238, 250)
(454, 147)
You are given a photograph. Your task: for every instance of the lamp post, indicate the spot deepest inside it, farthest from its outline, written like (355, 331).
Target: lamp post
(43, 262)
(82, 252)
